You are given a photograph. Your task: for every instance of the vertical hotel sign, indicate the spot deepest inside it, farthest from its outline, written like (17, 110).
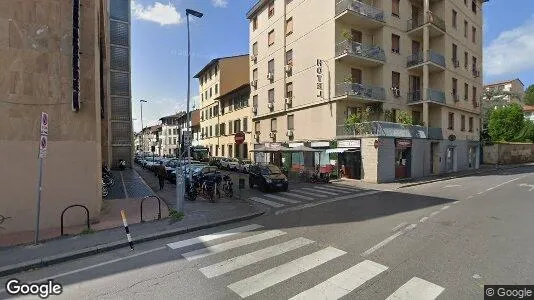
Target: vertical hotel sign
(75, 55)
(319, 74)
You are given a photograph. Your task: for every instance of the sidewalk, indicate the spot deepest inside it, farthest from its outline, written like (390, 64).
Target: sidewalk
(198, 215)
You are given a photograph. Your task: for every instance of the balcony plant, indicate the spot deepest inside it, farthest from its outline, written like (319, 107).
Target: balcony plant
(404, 118)
(358, 123)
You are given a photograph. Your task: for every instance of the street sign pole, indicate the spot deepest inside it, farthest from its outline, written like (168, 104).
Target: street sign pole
(38, 201)
(43, 147)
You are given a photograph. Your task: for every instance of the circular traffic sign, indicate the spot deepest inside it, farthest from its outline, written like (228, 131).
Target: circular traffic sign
(239, 137)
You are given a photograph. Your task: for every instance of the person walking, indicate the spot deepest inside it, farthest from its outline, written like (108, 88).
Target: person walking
(161, 172)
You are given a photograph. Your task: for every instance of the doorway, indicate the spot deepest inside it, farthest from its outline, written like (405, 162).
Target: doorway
(351, 164)
(451, 159)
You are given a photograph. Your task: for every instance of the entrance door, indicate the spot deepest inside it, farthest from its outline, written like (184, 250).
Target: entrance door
(351, 164)
(416, 47)
(415, 88)
(450, 159)
(402, 162)
(415, 16)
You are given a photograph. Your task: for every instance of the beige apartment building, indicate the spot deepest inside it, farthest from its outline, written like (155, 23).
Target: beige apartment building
(316, 63)
(223, 99)
(515, 87)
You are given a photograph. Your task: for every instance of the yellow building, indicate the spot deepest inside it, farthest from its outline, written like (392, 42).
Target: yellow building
(515, 87)
(315, 63)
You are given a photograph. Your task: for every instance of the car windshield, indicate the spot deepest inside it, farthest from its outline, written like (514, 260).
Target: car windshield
(267, 170)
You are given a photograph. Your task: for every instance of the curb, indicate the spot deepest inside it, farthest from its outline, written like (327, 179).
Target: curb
(63, 257)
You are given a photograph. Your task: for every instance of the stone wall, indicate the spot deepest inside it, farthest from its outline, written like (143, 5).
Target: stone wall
(508, 153)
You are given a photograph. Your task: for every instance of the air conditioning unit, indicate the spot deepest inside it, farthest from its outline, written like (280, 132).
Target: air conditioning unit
(289, 100)
(253, 58)
(456, 63)
(289, 133)
(270, 76)
(272, 134)
(396, 92)
(270, 105)
(288, 68)
(254, 109)
(254, 83)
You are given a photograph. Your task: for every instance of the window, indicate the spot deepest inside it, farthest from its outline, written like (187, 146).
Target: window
(291, 122)
(257, 126)
(270, 38)
(356, 75)
(211, 112)
(222, 150)
(209, 72)
(470, 124)
(395, 43)
(395, 80)
(230, 131)
(211, 131)
(174, 141)
(201, 97)
(454, 18)
(254, 23)
(466, 59)
(255, 49)
(170, 131)
(474, 94)
(466, 91)
(474, 63)
(216, 70)
(465, 2)
(454, 53)
(211, 90)
(466, 25)
(289, 57)
(237, 126)
(202, 115)
(451, 121)
(395, 7)
(270, 94)
(289, 26)
(474, 7)
(230, 151)
(474, 35)
(255, 74)
(454, 88)
(206, 96)
(222, 128)
(273, 124)
(289, 90)
(245, 124)
(462, 123)
(255, 101)
(215, 111)
(270, 66)
(175, 131)
(216, 89)
(271, 9)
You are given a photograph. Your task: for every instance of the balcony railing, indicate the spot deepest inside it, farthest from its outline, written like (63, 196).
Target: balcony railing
(436, 96)
(360, 8)
(361, 50)
(418, 58)
(389, 129)
(360, 90)
(414, 96)
(430, 18)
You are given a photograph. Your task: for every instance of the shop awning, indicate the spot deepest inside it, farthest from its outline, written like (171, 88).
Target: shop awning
(302, 149)
(336, 150)
(266, 149)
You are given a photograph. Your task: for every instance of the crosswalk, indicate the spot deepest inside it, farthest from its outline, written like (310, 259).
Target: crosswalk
(275, 261)
(304, 195)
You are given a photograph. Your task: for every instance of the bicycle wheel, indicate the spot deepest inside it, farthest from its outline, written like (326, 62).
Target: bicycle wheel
(105, 191)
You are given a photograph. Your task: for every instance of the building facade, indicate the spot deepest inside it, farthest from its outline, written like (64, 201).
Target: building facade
(514, 87)
(318, 66)
(219, 77)
(170, 134)
(528, 110)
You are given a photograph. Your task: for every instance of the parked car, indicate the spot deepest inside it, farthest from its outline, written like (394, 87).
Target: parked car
(233, 164)
(244, 165)
(185, 171)
(224, 163)
(267, 177)
(216, 161)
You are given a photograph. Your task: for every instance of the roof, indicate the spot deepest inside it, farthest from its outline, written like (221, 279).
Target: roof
(528, 108)
(254, 9)
(241, 87)
(213, 62)
(504, 81)
(177, 115)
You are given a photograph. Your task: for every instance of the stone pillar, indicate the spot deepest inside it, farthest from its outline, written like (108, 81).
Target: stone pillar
(426, 118)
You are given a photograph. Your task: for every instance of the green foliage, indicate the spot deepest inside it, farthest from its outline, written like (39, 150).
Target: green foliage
(347, 34)
(358, 122)
(529, 95)
(527, 133)
(388, 116)
(506, 123)
(405, 118)
(87, 231)
(175, 215)
(348, 78)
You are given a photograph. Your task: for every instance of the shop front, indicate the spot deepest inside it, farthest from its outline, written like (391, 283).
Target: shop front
(349, 159)
(403, 157)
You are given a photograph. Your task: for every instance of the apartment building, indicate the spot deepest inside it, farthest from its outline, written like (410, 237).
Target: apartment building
(170, 134)
(219, 77)
(317, 64)
(515, 89)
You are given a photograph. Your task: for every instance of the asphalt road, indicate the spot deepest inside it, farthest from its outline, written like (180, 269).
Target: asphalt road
(442, 240)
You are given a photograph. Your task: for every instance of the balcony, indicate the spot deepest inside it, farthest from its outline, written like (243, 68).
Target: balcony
(388, 129)
(360, 91)
(360, 54)
(435, 61)
(433, 95)
(436, 28)
(359, 14)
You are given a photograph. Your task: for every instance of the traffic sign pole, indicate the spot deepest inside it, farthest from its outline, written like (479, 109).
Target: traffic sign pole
(38, 202)
(43, 147)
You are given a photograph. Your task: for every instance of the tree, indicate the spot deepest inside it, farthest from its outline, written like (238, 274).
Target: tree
(491, 100)
(506, 123)
(529, 95)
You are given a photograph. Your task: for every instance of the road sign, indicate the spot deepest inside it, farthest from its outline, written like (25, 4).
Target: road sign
(44, 123)
(239, 137)
(43, 146)
(187, 138)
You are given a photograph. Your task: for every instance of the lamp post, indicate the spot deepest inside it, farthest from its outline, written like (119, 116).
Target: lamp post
(142, 128)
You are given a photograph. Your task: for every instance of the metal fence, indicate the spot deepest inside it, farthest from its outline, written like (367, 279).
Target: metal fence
(360, 8)
(361, 91)
(361, 50)
(389, 129)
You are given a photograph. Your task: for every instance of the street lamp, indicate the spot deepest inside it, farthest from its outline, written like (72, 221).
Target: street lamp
(142, 128)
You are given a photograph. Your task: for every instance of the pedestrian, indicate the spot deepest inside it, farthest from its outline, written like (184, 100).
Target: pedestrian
(161, 171)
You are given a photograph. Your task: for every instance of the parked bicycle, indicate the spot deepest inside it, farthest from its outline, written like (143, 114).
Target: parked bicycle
(105, 189)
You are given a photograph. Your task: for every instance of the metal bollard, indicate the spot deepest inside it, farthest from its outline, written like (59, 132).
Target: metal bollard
(123, 215)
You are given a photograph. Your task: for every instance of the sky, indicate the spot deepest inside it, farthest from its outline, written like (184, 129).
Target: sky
(159, 47)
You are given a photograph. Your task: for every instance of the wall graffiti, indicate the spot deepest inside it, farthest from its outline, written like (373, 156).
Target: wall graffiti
(2, 220)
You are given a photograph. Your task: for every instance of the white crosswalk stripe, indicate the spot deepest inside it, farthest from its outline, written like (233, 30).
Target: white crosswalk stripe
(254, 284)
(266, 202)
(344, 282)
(417, 289)
(328, 189)
(301, 191)
(297, 196)
(355, 189)
(213, 236)
(253, 257)
(281, 199)
(203, 252)
(319, 191)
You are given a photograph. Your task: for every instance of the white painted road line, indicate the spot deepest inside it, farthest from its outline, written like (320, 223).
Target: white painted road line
(434, 213)
(388, 240)
(445, 207)
(423, 219)
(498, 185)
(344, 282)
(266, 202)
(254, 284)
(203, 252)
(326, 201)
(417, 289)
(328, 189)
(451, 185)
(297, 196)
(253, 257)
(355, 189)
(399, 226)
(321, 192)
(470, 197)
(213, 236)
(281, 199)
(309, 193)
